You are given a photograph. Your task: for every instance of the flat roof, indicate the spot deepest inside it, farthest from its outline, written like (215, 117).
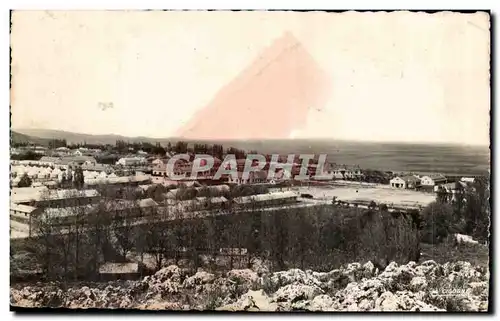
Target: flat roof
(22, 208)
(111, 268)
(265, 197)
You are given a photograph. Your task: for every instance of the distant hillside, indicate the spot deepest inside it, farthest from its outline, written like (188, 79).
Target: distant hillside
(88, 138)
(48, 134)
(71, 137)
(17, 138)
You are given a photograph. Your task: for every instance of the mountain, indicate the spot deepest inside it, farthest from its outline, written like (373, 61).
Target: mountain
(270, 99)
(17, 138)
(71, 137)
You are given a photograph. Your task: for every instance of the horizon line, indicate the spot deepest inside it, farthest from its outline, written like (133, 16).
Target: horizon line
(252, 139)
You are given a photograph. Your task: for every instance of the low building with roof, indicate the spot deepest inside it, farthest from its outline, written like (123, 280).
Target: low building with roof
(275, 198)
(110, 271)
(44, 197)
(342, 171)
(139, 208)
(132, 161)
(405, 182)
(23, 214)
(134, 180)
(257, 177)
(49, 160)
(432, 179)
(210, 203)
(77, 160)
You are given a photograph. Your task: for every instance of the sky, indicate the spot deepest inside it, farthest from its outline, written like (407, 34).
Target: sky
(408, 77)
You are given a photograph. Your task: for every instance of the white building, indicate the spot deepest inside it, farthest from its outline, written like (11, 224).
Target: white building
(343, 171)
(132, 161)
(258, 177)
(433, 180)
(63, 151)
(405, 182)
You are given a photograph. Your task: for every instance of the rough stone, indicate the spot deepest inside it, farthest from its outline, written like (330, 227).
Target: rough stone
(295, 292)
(418, 283)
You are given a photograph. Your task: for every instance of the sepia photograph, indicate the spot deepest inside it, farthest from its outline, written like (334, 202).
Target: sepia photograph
(250, 161)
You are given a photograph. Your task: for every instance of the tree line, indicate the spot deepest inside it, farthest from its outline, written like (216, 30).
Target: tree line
(319, 238)
(72, 247)
(466, 211)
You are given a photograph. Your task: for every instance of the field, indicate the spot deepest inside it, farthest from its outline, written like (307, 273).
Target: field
(386, 195)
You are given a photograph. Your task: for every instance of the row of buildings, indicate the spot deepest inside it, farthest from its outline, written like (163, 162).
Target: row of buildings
(63, 207)
(432, 183)
(61, 151)
(184, 167)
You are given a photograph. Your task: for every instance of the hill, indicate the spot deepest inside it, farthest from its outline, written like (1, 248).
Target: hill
(81, 137)
(16, 138)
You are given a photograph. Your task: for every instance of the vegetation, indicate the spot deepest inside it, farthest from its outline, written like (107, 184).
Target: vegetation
(28, 155)
(465, 212)
(318, 238)
(25, 181)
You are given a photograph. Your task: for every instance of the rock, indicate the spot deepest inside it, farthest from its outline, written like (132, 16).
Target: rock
(171, 272)
(334, 273)
(85, 290)
(435, 272)
(351, 294)
(479, 288)
(397, 278)
(199, 278)
(321, 276)
(391, 267)
(429, 263)
(368, 269)
(387, 302)
(125, 303)
(245, 276)
(155, 305)
(300, 305)
(321, 302)
(418, 283)
(295, 292)
(353, 272)
(251, 301)
(282, 278)
(410, 287)
(168, 287)
(366, 305)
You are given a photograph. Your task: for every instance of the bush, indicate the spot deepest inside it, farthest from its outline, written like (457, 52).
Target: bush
(436, 222)
(25, 181)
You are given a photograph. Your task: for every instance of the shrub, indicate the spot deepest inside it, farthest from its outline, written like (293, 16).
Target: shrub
(436, 222)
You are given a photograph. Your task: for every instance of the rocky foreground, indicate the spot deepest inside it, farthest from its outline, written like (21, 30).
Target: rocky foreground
(427, 286)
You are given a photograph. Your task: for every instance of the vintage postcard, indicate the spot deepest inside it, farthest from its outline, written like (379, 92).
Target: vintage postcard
(250, 161)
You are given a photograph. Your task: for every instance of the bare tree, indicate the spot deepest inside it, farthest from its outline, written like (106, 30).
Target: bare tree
(123, 228)
(157, 240)
(98, 229)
